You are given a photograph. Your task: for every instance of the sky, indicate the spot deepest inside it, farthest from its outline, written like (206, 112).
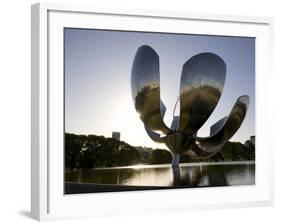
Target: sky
(98, 65)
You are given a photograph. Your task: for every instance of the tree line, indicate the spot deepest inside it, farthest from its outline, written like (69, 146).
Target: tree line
(92, 151)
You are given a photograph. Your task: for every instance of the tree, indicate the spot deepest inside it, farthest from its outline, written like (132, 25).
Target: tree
(73, 146)
(93, 151)
(161, 156)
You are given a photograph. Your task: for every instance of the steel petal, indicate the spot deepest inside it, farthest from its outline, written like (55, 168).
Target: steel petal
(154, 135)
(145, 87)
(202, 82)
(228, 129)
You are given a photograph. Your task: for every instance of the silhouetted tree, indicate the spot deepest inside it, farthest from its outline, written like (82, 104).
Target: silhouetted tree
(160, 156)
(93, 151)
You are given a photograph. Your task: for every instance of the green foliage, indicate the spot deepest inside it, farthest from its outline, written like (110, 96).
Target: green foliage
(187, 159)
(235, 151)
(97, 151)
(128, 157)
(86, 152)
(161, 156)
(145, 154)
(73, 146)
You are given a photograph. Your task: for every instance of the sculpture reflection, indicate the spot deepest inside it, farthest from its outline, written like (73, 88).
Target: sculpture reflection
(202, 82)
(187, 176)
(192, 176)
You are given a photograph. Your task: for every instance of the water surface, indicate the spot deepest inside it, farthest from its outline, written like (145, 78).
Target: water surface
(187, 175)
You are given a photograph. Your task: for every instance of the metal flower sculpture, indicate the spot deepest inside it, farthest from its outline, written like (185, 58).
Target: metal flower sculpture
(202, 82)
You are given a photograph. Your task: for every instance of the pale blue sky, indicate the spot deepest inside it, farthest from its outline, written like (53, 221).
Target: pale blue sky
(97, 79)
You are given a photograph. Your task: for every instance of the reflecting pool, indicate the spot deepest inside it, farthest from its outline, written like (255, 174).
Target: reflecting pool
(141, 177)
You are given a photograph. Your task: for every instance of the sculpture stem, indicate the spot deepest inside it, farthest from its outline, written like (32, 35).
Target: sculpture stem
(176, 160)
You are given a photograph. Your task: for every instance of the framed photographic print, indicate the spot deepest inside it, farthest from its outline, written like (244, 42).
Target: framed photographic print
(147, 111)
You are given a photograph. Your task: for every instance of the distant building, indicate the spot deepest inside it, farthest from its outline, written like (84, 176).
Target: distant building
(116, 135)
(253, 140)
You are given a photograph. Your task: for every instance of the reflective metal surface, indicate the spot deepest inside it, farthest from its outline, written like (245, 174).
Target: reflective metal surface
(226, 131)
(145, 85)
(178, 143)
(202, 82)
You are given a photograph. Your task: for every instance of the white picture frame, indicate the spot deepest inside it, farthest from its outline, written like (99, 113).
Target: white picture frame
(47, 198)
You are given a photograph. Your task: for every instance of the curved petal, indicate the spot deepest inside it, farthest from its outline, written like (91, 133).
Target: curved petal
(178, 143)
(145, 87)
(199, 153)
(175, 123)
(215, 128)
(162, 109)
(154, 135)
(227, 128)
(202, 82)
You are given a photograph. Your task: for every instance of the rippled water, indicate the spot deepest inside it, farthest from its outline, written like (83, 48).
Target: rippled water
(188, 175)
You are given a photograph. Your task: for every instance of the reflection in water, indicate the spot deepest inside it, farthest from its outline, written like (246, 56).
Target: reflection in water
(186, 175)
